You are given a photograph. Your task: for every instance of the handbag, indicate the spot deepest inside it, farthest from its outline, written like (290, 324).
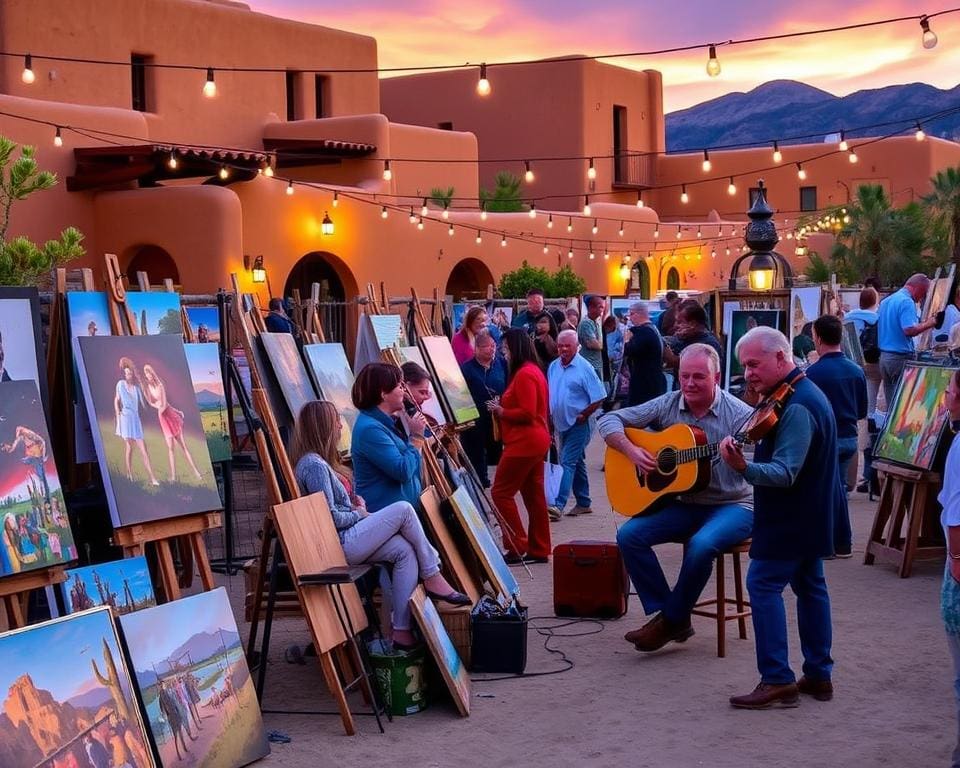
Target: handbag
(552, 474)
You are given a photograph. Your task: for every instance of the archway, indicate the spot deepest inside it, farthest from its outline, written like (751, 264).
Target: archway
(673, 279)
(640, 279)
(469, 279)
(338, 288)
(156, 262)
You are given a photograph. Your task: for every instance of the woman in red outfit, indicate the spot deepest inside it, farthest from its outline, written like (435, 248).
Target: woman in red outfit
(522, 411)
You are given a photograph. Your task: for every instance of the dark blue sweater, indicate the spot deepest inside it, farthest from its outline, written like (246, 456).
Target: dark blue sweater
(845, 386)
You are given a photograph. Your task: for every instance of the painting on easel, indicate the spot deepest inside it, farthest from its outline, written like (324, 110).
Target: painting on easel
(431, 406)
(156, 312)
(441, 647)
(205, 323)
(284, 357)
(331, 370)
(486, 549)
(35, 528)
(21, 349)
(147, 428)
(204, 362)
(122, 585)
(446, 373)
(88, 314)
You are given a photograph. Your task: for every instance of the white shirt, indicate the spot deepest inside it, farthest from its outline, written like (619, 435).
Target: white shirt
(949, 497)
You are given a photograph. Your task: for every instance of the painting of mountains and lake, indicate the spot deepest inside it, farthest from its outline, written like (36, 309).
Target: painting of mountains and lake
(194, 682)
(331, 370)
(67, 697)
(204, 363)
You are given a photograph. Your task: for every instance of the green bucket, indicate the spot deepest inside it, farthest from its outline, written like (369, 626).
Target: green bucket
(400, 675)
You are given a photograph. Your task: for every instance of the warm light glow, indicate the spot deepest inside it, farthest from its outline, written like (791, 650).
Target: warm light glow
(27, 76)
(446, 212)
(592, 256)
(731, 187)
(706, 165)
(210, 87)
(224, 172)
(336, 199)
(420, 223)
(450, 230)
(570, 224)
(624, 271)
(843, 146)
(479, 239)
(595, 228)
(570, 254)
(503, 241)
(424, 210)
(679, 233)
(483, 85)
(532, 213)
(483, 212)
(383, 212)
(528, 174)
(684, 197)
(713, 64)
(326, 226)
(852, 157)
(586, 206)
(620, 231)
(801, 174)
(268, 171)
(258, 273)
(656, 232)
(761, 279)
(387, 173)
(172, 162)
(919, 135)
(550, 221)
(699, 233)
(289, 187)
(413, 216)
(606, 256)
(639, 199)
(777, 154)
(591, 171)
(57, 138)
(929, 37)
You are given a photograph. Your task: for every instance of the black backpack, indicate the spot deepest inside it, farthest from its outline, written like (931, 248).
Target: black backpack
(869, 341)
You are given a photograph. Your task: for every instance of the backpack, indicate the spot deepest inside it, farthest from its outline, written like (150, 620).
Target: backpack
(869, 341)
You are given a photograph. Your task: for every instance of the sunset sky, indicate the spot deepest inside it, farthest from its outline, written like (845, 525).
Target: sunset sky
(457, 31)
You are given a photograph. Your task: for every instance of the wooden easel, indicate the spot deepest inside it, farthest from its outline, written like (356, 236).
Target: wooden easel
(15, 588)
(906, 496)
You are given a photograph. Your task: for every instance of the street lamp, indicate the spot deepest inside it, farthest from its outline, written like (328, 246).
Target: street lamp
(766, 265)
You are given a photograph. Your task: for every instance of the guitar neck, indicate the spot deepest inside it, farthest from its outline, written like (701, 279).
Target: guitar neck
(708, 451)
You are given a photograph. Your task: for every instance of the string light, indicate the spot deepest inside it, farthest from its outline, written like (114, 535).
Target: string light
(699, 232)
(731, 187)
(843, 142)
(290, 188)
(503, 241)
(679, 233)
(528, 175)
(483, 85)
(387, 173)
(383, 212)
(919, 135)
(595, 227)
(713, 63)
(801, 174)
(336, 199)
(483, 211)
(570, 224)
(446, 212)
(852, 157)
(684, 197)
(27, 76)
(268, 170)
(606, 256)
(929, 37)
(713, 253)
(570, 252)
(592, 254)
(777, 154)
(210, 87)
(706, 164)
(450, 230)
(591, 171)
(639, 199)
(224, 172)
(57, 138)
(532, 213)
(656, 231)
(546, 249)
(550, 221)
(620, 231)
(479, 239)
(172, 162)
(420, 223)
(586, 205)
(413, 216)
(423, 209)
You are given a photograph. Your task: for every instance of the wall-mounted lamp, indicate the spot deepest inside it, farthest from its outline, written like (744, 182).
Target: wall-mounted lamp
(326, 226)
(255, 267)
(624, 271)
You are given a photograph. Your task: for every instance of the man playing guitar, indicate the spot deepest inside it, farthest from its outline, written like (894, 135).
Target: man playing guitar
(710, 521)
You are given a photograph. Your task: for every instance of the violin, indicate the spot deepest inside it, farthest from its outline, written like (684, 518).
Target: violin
(767, 413)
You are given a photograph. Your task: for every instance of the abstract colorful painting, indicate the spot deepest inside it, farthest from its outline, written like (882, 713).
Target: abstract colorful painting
(156, 312)
(148, 433)
(331, 370)
(431, 406)
(188, 664)
(124, 586)
(21, 348)
(68, 700)
(486, 549)
(205, 323)
(916, 421)
(35, 527)
(204, 363)
(441, 647)
(446, 373)
(284, 356)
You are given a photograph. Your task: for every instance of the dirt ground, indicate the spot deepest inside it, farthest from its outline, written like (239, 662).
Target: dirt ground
(617, 707)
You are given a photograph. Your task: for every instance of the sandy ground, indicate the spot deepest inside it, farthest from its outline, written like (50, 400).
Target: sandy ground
(893, 706)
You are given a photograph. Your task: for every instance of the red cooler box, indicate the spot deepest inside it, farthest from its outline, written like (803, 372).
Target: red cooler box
(589, 579)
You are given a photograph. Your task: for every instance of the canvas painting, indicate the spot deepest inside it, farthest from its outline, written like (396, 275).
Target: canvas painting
(388, 330)
(432, 406)
(489, 554)
(204, 363)
(150, 442)
(124, 586)
(916, 421)
(849, 300)
(36, 530)
(446, 373)
(68, 700)
(188, 665)
(938, 296)
(88, 314)
(22, 357)
(851, 344)
(442, 649)
(284, 356)
(804, 308)
(205, 323)
(742, 320)
(501, 317)
(156, 312)
(331, 370)
(459, 313)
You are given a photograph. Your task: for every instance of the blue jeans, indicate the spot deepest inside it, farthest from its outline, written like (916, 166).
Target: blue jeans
(954, 642)
(710, 529)
(842, 533)
(766, 581)
(573, 448)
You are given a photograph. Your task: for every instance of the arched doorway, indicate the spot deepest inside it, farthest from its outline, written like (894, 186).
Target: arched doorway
(673, 279)
(640, 279)
(469, 280)
(338, 288)
(156, 262)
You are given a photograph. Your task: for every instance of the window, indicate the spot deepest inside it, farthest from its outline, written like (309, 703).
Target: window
(619, 142)
(808, 198)
(445, 126)
(754, 193)
(321, 93)
(293, 81)
(138, 81)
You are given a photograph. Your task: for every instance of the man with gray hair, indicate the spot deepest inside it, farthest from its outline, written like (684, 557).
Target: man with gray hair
(897, 324)
(643, 356)
(710, 520)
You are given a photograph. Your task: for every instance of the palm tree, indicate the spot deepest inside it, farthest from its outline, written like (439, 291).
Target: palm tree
(506, 194)
(942, 206)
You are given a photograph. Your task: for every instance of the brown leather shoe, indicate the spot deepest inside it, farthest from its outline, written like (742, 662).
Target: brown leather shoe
(821, 690)
(657, 632)
(767, 695)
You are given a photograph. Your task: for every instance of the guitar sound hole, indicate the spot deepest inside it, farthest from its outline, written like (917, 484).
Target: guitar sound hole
(667, 461)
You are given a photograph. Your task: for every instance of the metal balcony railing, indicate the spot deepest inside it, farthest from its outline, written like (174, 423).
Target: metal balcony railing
(633, 170)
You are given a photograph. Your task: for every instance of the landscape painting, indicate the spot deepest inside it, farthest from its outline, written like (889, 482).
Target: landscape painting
(124, 586)
(442, 649)
(21, 349)
(331, 370)
(388, 330)
(431, 406)
(916, 420)
(446, 373)
(486, 549)
(204, 363)
(88, 314)
(35, 528)
(148, 433)
(205, 323)
(189, 667)
(156, 312)
(68, 700)
(284, 356)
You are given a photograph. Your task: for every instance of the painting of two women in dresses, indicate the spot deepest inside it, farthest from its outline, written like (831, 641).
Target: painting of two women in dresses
(148, 433)
(193, 679)
(35, 527)
(66, 698)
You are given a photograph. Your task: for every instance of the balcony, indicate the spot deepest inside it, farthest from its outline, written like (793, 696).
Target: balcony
(633, 170)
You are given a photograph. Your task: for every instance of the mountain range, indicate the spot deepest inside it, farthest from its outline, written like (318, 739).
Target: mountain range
(783, 108)
(200, 647)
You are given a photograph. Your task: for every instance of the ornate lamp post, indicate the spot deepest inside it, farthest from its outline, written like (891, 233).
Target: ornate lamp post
(766, 265)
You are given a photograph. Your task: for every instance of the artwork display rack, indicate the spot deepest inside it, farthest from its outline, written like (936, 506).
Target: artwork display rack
(15, 589)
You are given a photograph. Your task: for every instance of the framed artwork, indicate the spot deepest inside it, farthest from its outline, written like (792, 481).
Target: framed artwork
(938, 296)
(916, 420)
(205, 323)
(192, 677)
(741, 321)
(501, 317)
(851, 344)
(204, 363)
(331, 371)
(147, 429)
(284, 356)
(432, 406)
(67, 697)
(22, 356)
(156, 312)
(35, 528)
(446, 373)
(804, 308)
(124, 586)
(459, 313)
(441, 647)
(88, 314)
(486, 549)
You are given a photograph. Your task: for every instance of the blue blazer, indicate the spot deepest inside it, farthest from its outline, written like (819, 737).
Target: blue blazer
(386, 466)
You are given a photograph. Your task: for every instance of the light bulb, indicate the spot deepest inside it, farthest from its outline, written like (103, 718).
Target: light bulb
(289, 187)
(550, 221)
(387, 173)
(27, 75)
(268, 171)
(591, 171)
(731, 187)
(479, 238)
(450, 230)
(592, 255)
(620, 231)
(210, 87)
(570, 254)
(684, 197)
(843, 142)
(639, 199)
(929, 37)
(595, 228)
(713, 253)
(679, 233)
(570, 224)
(606, 256)
(383, 212)
(483, 212)
(483, 85)
(699, 233)
(801, 174)
(446, 212)
(852, 157)
(413, 216)
(713, 64)
(423, 209)
(707, 165)
(777, 154)
(224, 173)
(919, 135)
(57, 138)
(656, 232)
(172, 162)
(336, 199)
(528, 175)
(586, 206)
(420, 223)
(532, 213)
(503, 241)
(546, 250)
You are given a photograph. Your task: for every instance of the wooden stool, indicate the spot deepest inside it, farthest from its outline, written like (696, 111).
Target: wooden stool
(721, 601)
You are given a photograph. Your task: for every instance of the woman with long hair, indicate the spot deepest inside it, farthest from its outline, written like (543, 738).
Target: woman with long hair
(171, 420)
(463, 340)
(126, 404)
(545, 340)
(523, 417)
(392, 535)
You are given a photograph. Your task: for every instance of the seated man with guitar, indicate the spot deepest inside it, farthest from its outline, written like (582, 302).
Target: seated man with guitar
(702, 501)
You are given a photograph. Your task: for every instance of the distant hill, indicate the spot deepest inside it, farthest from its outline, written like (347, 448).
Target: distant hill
(783, 108)
(208, 399)
(92, 699)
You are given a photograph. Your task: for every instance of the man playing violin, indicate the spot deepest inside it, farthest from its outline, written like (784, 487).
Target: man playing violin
(710, 520)
(796, 494)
